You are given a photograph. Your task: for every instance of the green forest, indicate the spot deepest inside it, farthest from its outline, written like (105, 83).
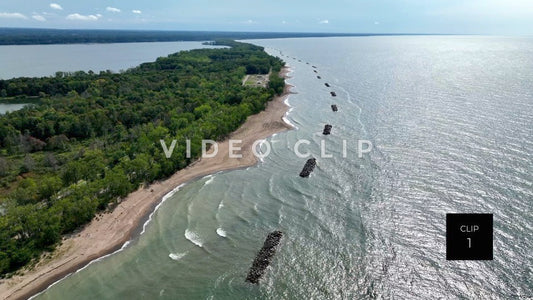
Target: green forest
(92, 138)
(33, 36)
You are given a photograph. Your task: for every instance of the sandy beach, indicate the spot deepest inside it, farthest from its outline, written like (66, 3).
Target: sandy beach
(109, 231)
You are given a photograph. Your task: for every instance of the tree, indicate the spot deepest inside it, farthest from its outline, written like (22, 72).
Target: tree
(26, 192)
(58, 142)
(117, 183)
(50, 160)
(48, 186)
(4, 167)
(28, 164)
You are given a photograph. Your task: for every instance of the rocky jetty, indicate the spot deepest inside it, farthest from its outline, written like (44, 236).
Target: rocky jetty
(264, 257)
(327, 129)
(333, 94)
(334, 107)
(308, 168)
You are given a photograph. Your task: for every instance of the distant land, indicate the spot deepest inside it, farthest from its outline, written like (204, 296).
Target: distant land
(35, 36)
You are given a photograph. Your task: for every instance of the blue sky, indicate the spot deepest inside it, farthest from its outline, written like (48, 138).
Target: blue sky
(365, 16)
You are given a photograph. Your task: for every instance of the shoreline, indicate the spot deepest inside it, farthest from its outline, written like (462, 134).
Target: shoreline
(109, 232)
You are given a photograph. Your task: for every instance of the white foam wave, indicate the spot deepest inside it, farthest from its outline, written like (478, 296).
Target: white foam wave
(285, 117)
(177, 256)
(221, 232)
(100, 258)
(170, 194)
(194, 238)
(289, 122)
(165, 198)
(79, 270)
(259, 150)
(210, 180)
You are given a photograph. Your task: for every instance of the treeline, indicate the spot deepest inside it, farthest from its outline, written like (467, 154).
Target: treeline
(31, 36)
(94, 138)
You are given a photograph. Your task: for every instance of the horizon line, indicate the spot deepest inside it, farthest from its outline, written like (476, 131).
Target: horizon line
(235, 31)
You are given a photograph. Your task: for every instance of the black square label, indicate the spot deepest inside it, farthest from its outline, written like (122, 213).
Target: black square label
(469, 237)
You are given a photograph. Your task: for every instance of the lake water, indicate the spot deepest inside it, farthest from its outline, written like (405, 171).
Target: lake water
(10, 107)
(45, 60)
(451, 121)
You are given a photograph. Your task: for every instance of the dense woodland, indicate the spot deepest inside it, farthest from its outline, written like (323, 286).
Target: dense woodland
(94, 138)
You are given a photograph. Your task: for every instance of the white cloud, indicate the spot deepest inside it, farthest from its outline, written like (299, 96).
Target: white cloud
(39, 18)
(376, 23)
(112, 9)
(323, 22)
(136, 11)
(78, 17)
(283, 22)
(56, 6)
(249, 22)
(12, 15)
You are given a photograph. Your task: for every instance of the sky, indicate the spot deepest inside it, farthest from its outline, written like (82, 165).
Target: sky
(500, 17)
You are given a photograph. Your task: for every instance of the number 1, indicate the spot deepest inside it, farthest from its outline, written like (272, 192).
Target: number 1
(469, 242)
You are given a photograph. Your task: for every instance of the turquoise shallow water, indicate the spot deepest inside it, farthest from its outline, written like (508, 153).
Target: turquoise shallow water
(451, 121)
